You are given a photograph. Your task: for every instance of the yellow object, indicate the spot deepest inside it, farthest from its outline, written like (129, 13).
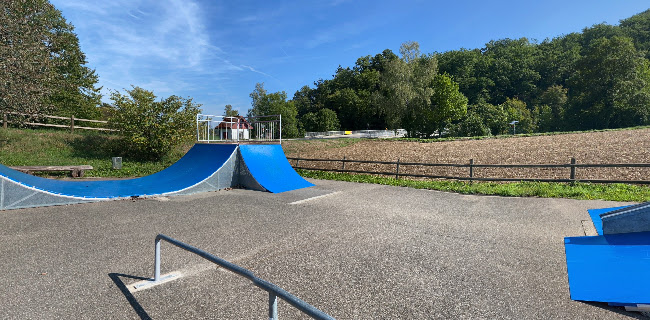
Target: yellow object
(348, 132)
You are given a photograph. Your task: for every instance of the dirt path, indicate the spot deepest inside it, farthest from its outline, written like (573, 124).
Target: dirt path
(627, 146)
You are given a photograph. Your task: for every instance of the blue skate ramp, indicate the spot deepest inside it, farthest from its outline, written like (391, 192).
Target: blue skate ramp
(201, 162)
(595, 217)
(610, 268)
(270, 168)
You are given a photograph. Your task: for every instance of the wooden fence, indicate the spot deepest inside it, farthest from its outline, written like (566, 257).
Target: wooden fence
(71, 122)
(471, 167)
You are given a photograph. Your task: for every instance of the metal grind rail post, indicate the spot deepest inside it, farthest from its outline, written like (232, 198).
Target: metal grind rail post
(273, 290)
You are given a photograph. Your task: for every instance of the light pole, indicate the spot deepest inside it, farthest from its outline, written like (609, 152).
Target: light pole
(514, 127)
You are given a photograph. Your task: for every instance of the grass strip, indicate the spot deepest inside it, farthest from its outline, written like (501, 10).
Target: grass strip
(577, 190)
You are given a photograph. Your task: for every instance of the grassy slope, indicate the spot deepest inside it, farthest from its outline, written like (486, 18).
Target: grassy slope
(56, 147)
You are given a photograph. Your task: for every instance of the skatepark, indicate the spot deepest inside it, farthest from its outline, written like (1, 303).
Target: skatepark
(354, 251)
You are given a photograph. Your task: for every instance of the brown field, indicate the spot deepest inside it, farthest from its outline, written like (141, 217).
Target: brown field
(625, 146)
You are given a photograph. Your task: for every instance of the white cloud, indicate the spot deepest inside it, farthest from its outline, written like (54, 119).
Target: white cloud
(256, 71)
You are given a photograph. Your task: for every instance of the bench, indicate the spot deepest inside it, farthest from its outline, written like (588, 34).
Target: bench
(75, 171)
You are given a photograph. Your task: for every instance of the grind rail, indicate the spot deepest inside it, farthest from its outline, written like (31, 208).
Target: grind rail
(274, 291)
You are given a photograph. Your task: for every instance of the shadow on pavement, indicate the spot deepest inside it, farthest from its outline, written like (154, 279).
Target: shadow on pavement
(619, 310)
(116, 277)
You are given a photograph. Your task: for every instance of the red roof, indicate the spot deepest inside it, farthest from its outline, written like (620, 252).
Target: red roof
(237, 122)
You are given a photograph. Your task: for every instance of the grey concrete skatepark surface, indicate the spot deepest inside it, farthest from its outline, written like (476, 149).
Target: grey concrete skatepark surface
(355, 251)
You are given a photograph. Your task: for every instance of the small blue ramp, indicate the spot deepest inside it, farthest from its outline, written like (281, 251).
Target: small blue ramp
(595, 217)
(270, 168)
(611, 268)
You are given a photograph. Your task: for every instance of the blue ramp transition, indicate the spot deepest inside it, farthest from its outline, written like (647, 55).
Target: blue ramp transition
(197, 171)
(611, 268)
(270, 168)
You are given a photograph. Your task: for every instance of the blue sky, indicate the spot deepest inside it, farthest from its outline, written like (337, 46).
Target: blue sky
(215, 51)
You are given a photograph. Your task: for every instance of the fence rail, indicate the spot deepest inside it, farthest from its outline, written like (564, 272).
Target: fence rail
(70, 126)
(273, 290)
(471, 166)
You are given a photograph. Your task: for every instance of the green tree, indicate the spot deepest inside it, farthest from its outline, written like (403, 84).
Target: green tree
(321, 121)
(516, 110)
(150, 128)
(43, 66)
(406, 92)
(469, 69)
(610, 86)
(472, 125)
(557, 59)
(447, 103)
(552, 108)
(28, 74)
(78, 95)
(493, 116)
(512, 68)
(264, 104)
(410, 50)
(637, 27)
(304, 100)
(229, 112)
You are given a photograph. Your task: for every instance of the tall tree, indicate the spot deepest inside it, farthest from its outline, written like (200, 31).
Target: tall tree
(44, 66)
(410, 50)
(229, 112)
(407, 88)
(28, 74)
(264, 104)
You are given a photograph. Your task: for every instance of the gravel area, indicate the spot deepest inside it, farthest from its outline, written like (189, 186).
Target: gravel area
(626, 146)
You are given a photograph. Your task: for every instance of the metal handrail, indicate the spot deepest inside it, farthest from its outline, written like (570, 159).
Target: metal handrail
(273, 290)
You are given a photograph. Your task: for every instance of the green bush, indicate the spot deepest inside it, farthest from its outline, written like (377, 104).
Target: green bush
(151, 129)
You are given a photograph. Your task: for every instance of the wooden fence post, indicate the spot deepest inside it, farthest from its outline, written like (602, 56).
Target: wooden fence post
(397, 170)
(343, 164)
(471, 170)
(4, 120)
(71, 123)
(573, 169)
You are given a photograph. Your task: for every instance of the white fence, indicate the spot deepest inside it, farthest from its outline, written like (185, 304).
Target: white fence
(211, 128)
(359, 133)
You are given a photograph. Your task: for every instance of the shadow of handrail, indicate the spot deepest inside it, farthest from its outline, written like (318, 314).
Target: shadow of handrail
(137, 307)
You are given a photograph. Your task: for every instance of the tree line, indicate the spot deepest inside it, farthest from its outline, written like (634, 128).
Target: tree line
(595, 79)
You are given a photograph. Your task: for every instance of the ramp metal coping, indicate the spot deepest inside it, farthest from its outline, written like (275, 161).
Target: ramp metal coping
(274, 291)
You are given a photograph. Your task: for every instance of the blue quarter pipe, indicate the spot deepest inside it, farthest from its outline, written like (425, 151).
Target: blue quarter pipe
(206, 167)
(611, 268)
(270, 168)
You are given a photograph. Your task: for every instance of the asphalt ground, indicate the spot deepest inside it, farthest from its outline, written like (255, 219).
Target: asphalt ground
(355, 251)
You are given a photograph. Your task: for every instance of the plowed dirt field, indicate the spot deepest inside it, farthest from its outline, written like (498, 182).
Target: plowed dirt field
(626, 146)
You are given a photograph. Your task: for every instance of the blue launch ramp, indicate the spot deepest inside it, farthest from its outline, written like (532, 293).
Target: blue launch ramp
(270, 168)
(595, 217)
(205, 167)
(609, 268)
